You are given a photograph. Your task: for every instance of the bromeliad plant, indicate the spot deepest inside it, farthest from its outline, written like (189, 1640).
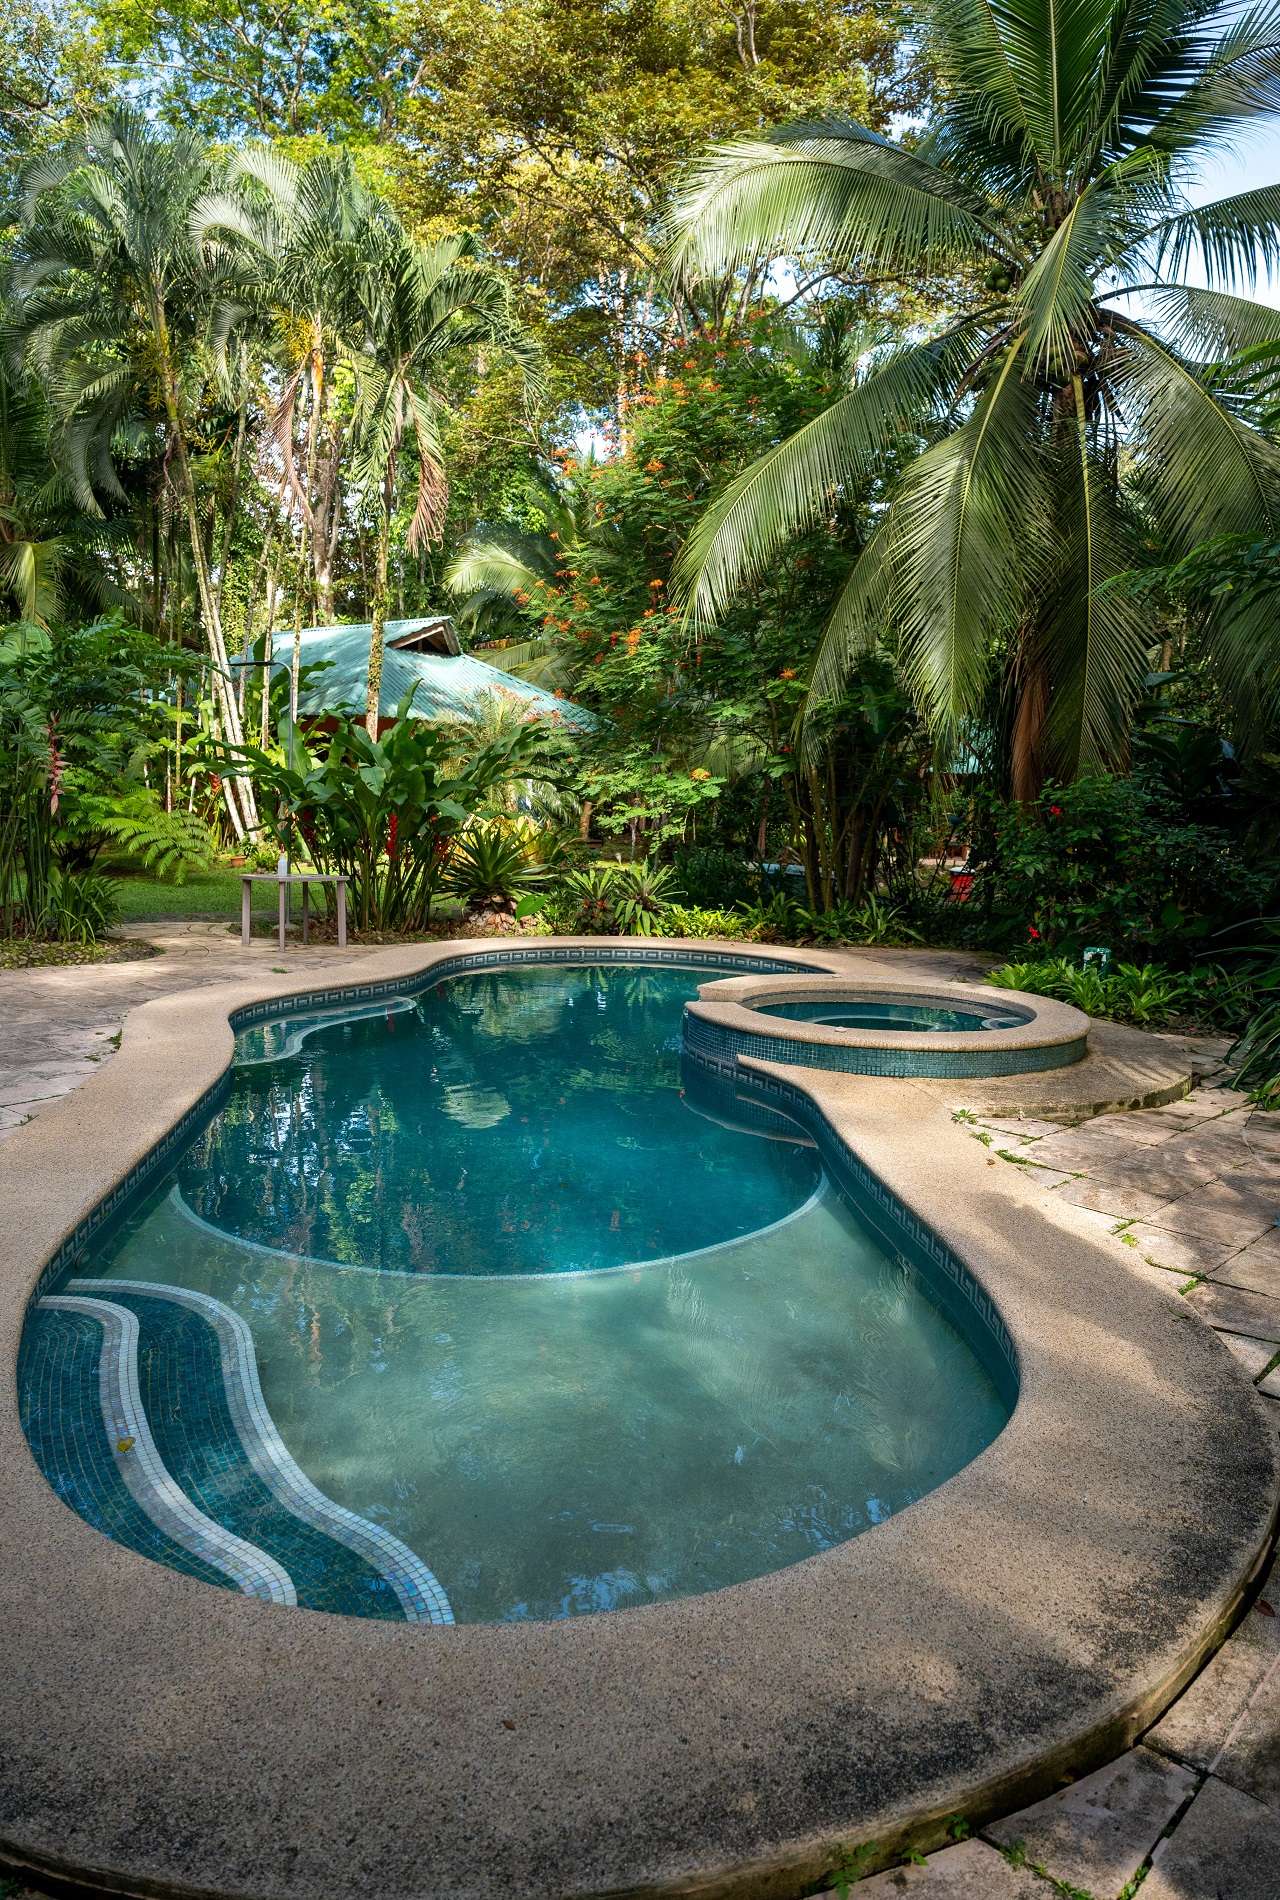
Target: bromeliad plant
(385, 812)
(1050, 187)
(496, 863)
(628, 900)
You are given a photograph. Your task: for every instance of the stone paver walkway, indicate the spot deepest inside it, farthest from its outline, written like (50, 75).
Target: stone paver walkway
(57, 1023)
(1190, 1196)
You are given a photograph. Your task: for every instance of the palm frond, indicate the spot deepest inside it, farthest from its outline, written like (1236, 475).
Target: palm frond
(1094, 638)
(787, 487)
(1212, 324)
(834, 190)
(859, 618)
(1204, 470)
(969, 530)
(1233, 237)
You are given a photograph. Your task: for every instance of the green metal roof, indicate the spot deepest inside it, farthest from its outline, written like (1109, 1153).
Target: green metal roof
(449, 686)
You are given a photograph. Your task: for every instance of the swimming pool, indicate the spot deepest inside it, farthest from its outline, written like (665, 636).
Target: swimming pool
(456, 1310)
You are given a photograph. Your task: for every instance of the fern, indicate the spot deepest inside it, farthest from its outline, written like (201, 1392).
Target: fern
(168, 842)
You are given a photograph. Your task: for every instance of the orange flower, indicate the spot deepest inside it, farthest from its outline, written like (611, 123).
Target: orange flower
(699, 772)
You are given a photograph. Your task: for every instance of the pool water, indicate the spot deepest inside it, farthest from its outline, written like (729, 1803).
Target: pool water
(929, 1017)
(432, 1220)
(523, 1121)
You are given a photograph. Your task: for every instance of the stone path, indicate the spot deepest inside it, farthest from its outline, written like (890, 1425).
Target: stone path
(1190, 1196)
(59, 1022)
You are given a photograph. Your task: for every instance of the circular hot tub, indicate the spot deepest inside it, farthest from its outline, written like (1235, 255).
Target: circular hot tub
(938, 1029)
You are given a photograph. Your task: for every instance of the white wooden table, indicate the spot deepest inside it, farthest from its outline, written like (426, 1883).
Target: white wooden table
(249, 878)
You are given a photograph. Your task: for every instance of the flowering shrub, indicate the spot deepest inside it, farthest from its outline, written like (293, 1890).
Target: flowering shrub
(1109, 861)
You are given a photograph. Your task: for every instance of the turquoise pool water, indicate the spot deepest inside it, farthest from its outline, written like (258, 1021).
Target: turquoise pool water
(429, 1223)
(893, 1016)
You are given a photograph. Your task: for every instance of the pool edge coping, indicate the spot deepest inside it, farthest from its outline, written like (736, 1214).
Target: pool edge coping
(84, 1115)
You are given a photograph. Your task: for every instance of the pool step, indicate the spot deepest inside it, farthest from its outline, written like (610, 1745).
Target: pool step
(175, 1375)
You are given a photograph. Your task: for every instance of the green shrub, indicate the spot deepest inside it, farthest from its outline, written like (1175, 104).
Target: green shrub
(1106, 861)
(1130, 993)
(82, 909)
(693, 921)
(715, 879)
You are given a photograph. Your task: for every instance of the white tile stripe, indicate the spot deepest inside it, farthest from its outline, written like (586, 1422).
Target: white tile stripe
(299, 1028)
(144, 1471)
(420, 1595)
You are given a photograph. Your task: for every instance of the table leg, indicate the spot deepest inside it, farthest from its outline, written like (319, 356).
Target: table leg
(342, 916)
(246, 898)
(284, 898)
(305, 889)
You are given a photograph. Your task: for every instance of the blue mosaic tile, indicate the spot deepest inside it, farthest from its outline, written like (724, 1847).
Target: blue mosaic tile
(715, 1040)
(61, 1413)
(184, 1397)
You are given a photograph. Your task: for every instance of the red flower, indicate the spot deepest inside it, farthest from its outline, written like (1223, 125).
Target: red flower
(1055, 811)
(392, 828)
(1033, 933)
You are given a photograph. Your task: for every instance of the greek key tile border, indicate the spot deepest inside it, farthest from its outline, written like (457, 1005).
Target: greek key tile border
(739, 963)
(131, 1186)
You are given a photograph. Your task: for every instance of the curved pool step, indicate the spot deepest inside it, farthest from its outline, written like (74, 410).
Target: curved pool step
(105, 1357)
(199, 1380)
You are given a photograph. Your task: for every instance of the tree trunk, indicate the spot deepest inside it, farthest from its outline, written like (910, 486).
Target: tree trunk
(379, 616)
(238, 792)
(1026, 740)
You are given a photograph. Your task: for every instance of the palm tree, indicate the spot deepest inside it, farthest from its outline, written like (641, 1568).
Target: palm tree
(313, 233)
(117, 310)
(1069, 403)
(423, 304)
(502, 568)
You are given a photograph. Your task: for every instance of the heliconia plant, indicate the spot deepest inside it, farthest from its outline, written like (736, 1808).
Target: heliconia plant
(385, 812)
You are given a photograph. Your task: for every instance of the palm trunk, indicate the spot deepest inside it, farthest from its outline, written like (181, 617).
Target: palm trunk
(379, 610)
(238, 792)
(1026, 740)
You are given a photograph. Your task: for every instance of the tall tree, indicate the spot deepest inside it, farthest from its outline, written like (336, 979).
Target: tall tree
(117, 311)
(264, 68)
(1076, 375)
(563, 128)
(424, 304)
(317, 236)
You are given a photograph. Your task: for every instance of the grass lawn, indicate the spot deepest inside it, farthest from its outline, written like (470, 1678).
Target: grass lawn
(216, 893)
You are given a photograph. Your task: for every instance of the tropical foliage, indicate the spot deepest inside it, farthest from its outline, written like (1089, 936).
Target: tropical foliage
(905, 509)
(1068, 407)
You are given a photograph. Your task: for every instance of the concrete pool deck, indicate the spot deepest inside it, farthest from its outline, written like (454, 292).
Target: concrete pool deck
(1027, 1620)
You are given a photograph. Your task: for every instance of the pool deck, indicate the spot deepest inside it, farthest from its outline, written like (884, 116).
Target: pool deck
(1028, 1621)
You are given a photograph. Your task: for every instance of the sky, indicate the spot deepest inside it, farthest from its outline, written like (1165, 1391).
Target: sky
(1256, 163)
